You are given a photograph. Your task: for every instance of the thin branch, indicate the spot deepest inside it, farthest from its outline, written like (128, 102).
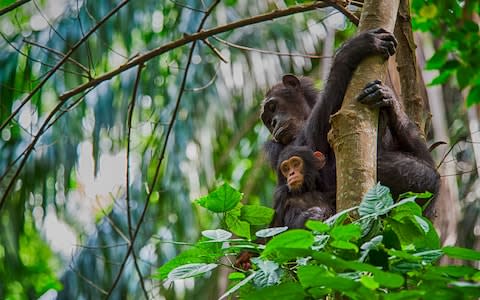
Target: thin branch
(28, 150)
(215, 50)
(61, 62)
(162, 154)
(13, 6)
(187, 6)
(343, 9)
(89, 282)
(48, 21)
(10, 43)
(56, 52)
(131, 107)
(201, 35)
(265, 51)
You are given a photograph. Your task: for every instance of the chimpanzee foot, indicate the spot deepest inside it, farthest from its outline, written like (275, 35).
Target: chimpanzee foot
(375, 94)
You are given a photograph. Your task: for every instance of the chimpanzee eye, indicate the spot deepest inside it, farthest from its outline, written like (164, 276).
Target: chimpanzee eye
(271, 106)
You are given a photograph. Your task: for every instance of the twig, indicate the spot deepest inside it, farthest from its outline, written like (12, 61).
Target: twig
(54, 51)
(215, 50)
(162, 154)
(265, 51)
(61, 62)
(200, 35)
(12, 6)
(131, 107)
(343, 9)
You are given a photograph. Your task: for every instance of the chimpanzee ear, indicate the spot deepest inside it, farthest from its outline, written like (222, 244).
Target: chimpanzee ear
(321, 160)
(291, 81)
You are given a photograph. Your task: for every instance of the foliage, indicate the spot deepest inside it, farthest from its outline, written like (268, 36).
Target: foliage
(390, 252)
(457, 55)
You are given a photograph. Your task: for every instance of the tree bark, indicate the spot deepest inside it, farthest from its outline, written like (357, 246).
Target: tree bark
(354, 127)
(411, 82)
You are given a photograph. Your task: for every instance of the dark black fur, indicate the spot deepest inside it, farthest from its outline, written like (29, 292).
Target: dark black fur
(404, 163)
(293, 209)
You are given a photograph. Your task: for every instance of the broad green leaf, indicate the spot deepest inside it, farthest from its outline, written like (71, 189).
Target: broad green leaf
(437, 60)
(405, 295)
(317, 226)
(309, 277)
(283, 291)
(473, 96)
(407, 207)
(193, 255)
(385, 279)
(375, 201)
(223, 199)
(237, 226)
(370, 245)
(369, 282)
(344, 245)
(346, 232)
(256, 214)
(268, 232)
(190, 270)
(441, 78)
(295, 238)
(217, 235)
(461, 253)
(453, 271)
(403, 255)
(269, 273)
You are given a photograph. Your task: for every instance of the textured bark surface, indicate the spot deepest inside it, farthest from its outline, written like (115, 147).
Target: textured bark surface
(414, 101)
(354, 128)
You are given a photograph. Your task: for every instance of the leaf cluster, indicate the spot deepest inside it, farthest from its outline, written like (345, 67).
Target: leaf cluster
(390, 252)
(450, 22)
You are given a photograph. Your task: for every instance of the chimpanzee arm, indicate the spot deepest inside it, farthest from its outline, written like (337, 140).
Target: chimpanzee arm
(373, 42)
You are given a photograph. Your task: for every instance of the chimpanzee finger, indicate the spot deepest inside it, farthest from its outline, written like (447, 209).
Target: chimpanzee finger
(369, 88)
(371, 83)
(391, 48)
(370, 94)
(379, 30)
(374, 98)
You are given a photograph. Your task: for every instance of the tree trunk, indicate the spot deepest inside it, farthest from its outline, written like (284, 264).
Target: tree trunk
(411, 82)
(354, 127)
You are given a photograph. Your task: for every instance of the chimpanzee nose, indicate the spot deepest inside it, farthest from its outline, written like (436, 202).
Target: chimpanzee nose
(274, 122)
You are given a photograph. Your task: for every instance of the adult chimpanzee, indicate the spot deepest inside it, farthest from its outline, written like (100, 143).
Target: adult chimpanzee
(299, 199)
(296, 114)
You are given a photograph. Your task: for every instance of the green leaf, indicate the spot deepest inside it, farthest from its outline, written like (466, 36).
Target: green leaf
(269, 273)
(193, 255)
(464, 75)
(375, 201)
(441, 78)
(283, 291)
(269, 232)
(473, 96)
(344, 245)
(190, 270)
(453, 271)
(217, 235)
(307, 275)
(295, 238)
(256, 214)
(346, 232)
(236, 276)
(461, 253)
(385, 279)
(237, 226)
(223, 199)
(369, 282)
(437, 60)
(317, 226)
(405, 295)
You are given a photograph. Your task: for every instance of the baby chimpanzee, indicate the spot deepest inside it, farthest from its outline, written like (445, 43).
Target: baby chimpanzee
(297, 198)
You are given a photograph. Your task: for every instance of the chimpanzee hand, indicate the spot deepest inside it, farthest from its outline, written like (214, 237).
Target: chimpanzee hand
(318, 213)
(372, 42)
(375, 94)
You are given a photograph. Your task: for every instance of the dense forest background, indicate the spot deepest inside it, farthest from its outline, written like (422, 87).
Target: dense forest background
(116, 115)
